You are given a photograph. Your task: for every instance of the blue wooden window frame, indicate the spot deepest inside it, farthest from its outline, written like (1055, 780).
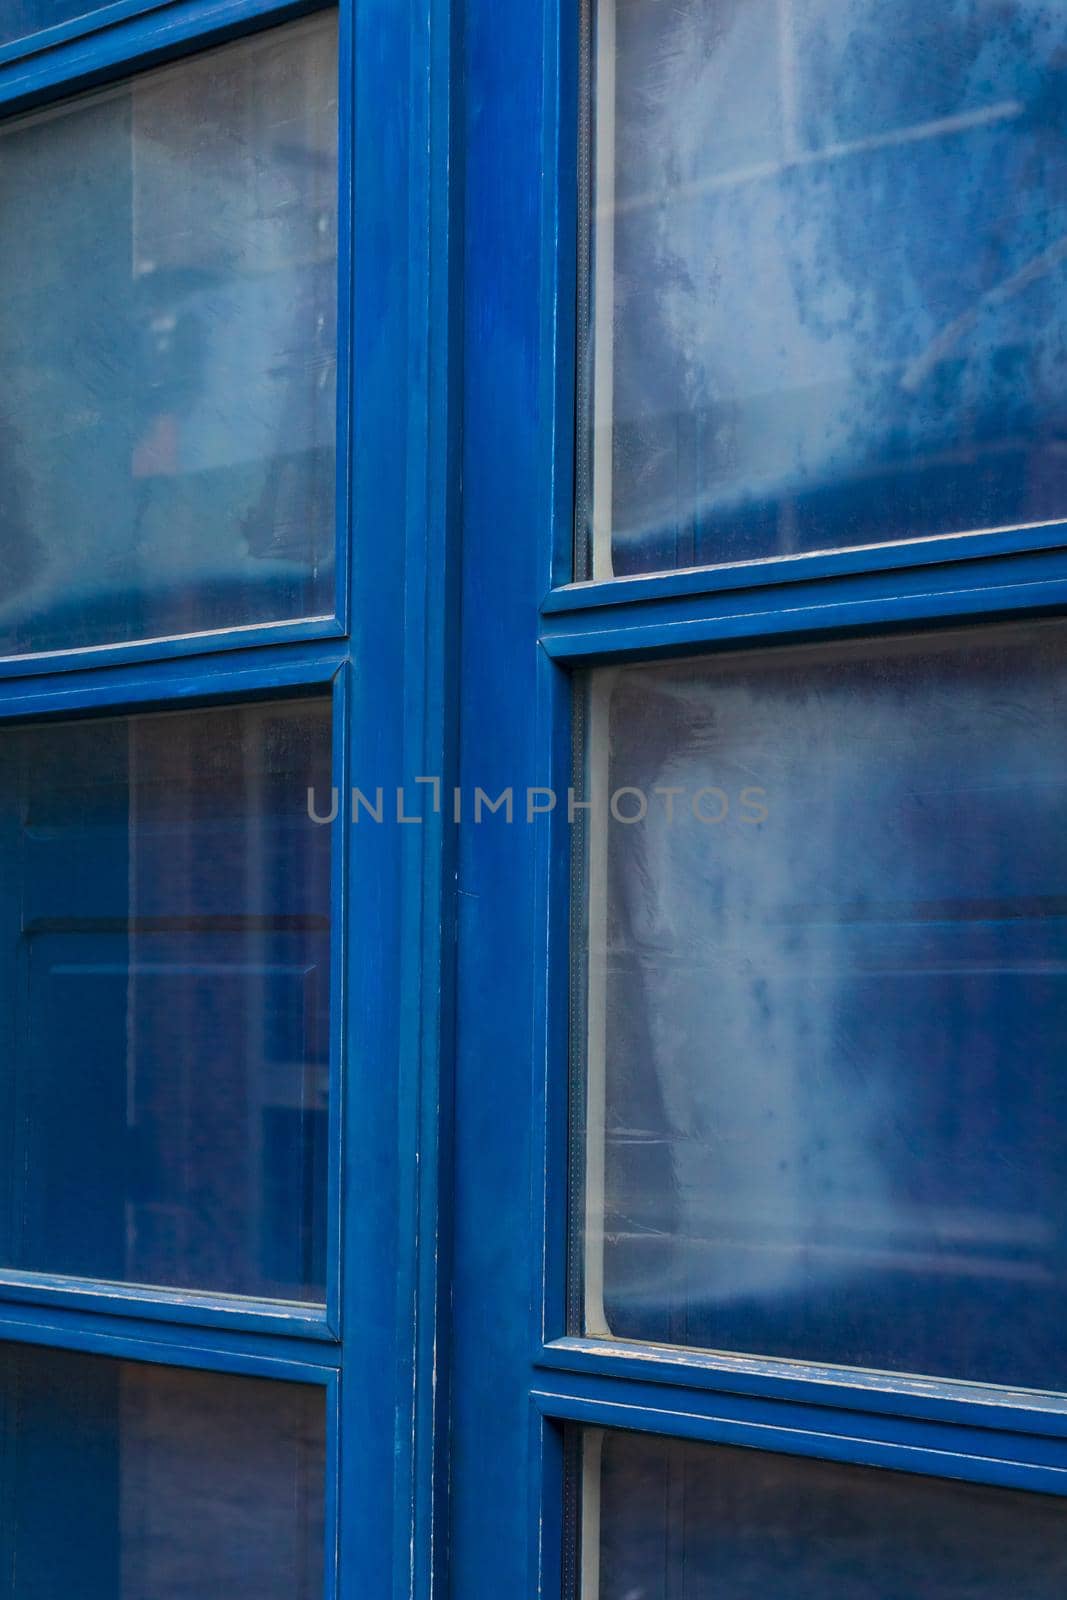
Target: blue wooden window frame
(518, 1378)
(382, 657)
(443, 1348)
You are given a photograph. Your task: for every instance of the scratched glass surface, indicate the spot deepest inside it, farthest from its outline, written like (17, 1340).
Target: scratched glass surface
(168, 294)
(826, 293)
(164, 999)
(684, 1520)
(825, 1105)
(121, 1480)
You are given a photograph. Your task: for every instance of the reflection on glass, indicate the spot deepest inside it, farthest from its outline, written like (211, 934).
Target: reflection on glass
(667, 1517)
(164, 998)
(825, 1104)
(827, 276)
(21, 17)
(123, 1481)
(167, 339)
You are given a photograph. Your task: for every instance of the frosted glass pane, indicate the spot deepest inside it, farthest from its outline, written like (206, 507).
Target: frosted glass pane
(826, 297)
(168, 295)
(826, 992)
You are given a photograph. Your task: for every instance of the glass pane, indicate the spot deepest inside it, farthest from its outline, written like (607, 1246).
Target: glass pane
(666, 1517)
(827, 1004)
(164, 998)
(21, 17)
(167, 337)
(121, 1481)
(826, 282)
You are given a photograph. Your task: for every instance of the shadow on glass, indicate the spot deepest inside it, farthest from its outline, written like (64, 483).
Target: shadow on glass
(125, 1481)
(164, 970)
(671, 1517)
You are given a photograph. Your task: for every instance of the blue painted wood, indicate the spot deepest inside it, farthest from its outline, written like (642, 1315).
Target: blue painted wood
(165, 1305)
(252, 672)
(800, 569)
(308, 629)
(399, 914)
(553, 837)
(1008, 1460)
(807, 1383)
(513, 546)
(29, 26)
(431, 633)
(1030, 581)
(105, 1333)
(339, 892)
(553, 1541)
(138, 39)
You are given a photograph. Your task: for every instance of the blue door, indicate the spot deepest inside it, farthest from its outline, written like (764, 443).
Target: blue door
(759, 1115)
(216, 463)
(532, 686)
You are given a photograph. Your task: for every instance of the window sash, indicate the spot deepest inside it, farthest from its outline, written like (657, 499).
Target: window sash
(516, 1375)
(396, 329)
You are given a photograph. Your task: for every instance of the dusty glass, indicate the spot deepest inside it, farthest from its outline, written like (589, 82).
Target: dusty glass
(824, 294)
(168, 293)
(822, 1106)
